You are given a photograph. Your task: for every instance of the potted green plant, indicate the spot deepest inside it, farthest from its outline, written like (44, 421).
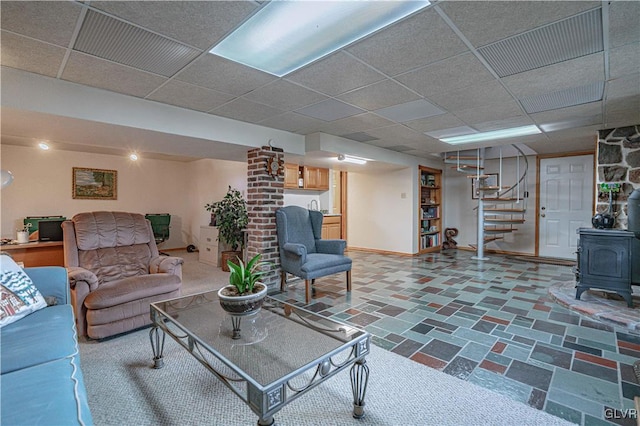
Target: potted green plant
(231, 219)
(244, 294)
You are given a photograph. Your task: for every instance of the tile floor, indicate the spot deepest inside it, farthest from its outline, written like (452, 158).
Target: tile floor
(491, 323)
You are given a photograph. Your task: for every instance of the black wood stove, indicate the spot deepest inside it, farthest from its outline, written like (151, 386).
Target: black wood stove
(609, 259)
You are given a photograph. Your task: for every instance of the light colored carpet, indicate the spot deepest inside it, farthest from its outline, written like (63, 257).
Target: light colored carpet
(124, 390)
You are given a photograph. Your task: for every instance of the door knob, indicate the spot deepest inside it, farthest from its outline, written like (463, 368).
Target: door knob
(543, 215)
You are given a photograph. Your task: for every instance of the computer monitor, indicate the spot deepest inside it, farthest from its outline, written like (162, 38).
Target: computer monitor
(50, 230)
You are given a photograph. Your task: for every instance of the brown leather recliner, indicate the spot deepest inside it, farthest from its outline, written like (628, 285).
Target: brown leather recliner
(115, 272)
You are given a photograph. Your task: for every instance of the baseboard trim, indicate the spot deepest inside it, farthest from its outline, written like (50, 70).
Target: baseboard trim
(173, 249)
(369, 250)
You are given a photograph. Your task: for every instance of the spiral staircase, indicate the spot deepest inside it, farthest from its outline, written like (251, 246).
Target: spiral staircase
(500, 207)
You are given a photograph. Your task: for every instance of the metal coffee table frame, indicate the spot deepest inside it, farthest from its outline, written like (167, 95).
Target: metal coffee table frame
(267, 400)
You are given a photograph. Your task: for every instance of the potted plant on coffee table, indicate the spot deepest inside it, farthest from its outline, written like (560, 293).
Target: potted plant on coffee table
(245, 293)
(231, 218)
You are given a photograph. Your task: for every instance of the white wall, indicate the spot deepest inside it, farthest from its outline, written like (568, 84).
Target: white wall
(460, 213)
(378, 216)
(209, 182)
(42, 186)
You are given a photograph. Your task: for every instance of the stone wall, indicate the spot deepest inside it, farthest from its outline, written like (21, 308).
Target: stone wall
(265, 194)
(618, 162)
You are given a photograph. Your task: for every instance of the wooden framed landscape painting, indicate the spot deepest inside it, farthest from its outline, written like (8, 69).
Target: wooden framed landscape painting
(95, 184)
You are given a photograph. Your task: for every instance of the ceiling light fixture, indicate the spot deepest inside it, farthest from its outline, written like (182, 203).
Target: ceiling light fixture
(350, 159)
(492, 135)
(133, 157)
(284, 36)
(43, 146)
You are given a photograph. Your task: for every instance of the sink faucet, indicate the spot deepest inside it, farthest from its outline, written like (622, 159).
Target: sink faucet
(312, 205)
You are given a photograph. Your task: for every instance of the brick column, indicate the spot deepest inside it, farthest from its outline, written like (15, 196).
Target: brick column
(264, 197)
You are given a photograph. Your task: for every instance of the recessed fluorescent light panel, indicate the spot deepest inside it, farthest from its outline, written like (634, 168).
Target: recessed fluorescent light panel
(493, 135)
(284, 36)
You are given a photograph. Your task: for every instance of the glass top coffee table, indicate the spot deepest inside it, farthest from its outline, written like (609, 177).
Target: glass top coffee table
(283, 351)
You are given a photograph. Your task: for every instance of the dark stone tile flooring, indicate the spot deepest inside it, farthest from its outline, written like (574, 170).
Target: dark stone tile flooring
(491, 323)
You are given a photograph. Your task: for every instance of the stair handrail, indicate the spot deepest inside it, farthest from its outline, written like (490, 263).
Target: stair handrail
(522, 177)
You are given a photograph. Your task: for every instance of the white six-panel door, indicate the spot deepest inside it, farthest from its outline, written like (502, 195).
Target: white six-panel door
(566, 200)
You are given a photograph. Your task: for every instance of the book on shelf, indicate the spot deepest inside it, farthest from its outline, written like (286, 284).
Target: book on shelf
(427, 241)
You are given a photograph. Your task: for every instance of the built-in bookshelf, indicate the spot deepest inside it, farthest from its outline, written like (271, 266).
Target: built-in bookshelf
(430, 209)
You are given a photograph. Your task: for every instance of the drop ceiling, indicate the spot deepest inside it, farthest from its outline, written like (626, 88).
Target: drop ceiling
(570, 67)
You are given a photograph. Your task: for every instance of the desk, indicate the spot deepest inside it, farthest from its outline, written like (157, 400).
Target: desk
(49, 253)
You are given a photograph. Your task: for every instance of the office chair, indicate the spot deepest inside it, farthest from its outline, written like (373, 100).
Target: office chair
(160, 224)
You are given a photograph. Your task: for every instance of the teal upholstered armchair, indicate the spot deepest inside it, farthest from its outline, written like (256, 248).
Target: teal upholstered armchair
(304, 253)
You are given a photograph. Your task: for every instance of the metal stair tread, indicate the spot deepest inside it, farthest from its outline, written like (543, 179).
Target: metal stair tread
(499, 230)
(487, 240)
(500, 200)
(498, 209)
(503, 220)
(492, 188)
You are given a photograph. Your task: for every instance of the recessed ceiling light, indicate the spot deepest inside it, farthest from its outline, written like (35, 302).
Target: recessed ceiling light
(493, 135)
(286, 35)
(133, 157)
(43, 146)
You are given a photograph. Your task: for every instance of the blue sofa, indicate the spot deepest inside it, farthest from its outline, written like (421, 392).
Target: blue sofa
(41, 382)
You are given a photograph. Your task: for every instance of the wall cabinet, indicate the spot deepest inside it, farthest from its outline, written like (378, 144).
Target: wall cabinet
(332, 228)
(306, 177)
(291, 175)
(208, 245)
(430, 210)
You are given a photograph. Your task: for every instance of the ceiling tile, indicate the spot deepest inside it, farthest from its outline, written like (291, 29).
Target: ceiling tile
(222, 75)
(293, 122)
(86, 69)
(449, 74)
(362, 122)
(284, 95)
(410, 111)
(507, 123)
(397, 133)
(624, 86)
(50, 21)
(587, 69)
(484, 22)
(475, 96)
(244, 110)
(359, 137)
(30, 55)
(379, 95)
(437, 122)
(189, 96)
(336, 74)
(330, 110)
(623, 22)
(197, 23)
(570, 113)
(454, 131)
(579, 139)
(571, 123)
(624, 60)
(417, 41)
(623, 109)
(495, 112)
